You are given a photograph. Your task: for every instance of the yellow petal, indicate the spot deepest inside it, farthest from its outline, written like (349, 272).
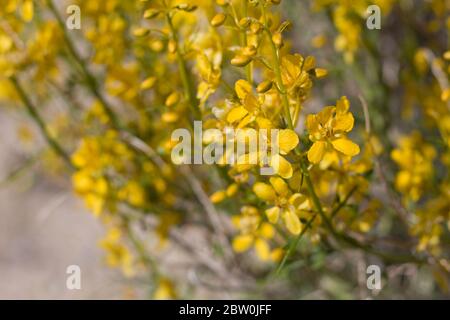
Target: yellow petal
(299, 201)
(267, 231)
(242, 88)
(346, 146)
(262, 249)
(292, 222)
(236, 114)
(312, 123)
(244, 122)
(310, 63)
(344, 122)
(264, 191)
(281, 166)
(325, 114)
(277, 254)
(343, 105)
(273, 214)
(279, 185)
(264, 123)
(242, 243)
(251, 103)
(287, 140)
(316, 152)
(320, 73)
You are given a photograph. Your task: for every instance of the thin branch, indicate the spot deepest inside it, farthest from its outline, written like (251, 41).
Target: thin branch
(34, 114)
(343, 202)
(294, 244)
(90, 79)
(202, 197)
(440, 76)
(211, 211)
(188, 89)
(402, 212)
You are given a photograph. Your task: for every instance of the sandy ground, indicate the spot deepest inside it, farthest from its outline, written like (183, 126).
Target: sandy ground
(44, 229)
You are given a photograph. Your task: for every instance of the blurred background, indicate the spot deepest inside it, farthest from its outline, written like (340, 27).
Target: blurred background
(44, 229)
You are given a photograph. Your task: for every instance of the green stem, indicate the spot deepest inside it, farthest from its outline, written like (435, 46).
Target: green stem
(34, 114)
(343, 202)
(188, 89)
(295, 243)
(283, 92)
(249, 67)
(90, 79)
(277, 70)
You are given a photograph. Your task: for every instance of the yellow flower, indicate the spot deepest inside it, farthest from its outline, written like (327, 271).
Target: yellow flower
(118, 254)
(328, 130)
(165, 290)
(296, 73)
(251, 112)
(415, 160)
(253, 233)
(285, 203)
(133, 193)
(249, 109)
(24, 7)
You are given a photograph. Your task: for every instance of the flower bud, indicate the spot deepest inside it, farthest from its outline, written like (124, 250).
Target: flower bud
(232, 189)
(264, 86)
(218, 196)
(172, 46)
(169, 117)
(240, 60)
(151, 13)
(172, 99)
(277, 39)
(186, 7)
(140, 32)
(156, 45)
(218, 20)
(249, 51)
(245, 22)
(255, 27)
(148, 83)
